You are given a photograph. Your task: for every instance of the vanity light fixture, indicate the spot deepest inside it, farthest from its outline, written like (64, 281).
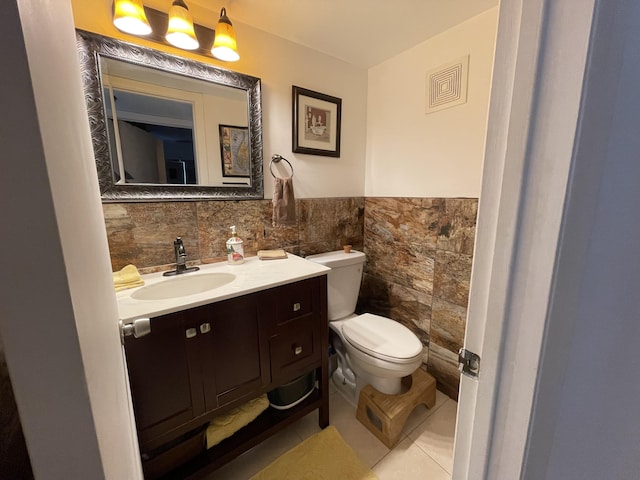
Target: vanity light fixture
(224, 42)
(180, 32)
(130, 16)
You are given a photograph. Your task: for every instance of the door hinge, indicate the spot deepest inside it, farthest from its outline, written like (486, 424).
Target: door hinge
(469, 363)
(138, 328)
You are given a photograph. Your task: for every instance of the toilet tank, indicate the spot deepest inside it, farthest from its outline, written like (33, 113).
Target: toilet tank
(343, 281)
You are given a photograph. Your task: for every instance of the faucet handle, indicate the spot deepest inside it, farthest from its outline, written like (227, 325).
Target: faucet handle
(180, 251)
(181, 259)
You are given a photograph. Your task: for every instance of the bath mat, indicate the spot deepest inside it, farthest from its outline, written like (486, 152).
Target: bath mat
(324, 456)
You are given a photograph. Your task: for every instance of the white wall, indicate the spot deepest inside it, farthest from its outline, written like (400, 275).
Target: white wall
(535, 102)
(565, 267)
(59, 315)
(585, 421)
(280, 64)
(412, 154)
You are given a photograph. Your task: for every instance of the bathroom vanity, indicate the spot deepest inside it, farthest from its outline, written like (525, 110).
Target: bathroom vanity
(212, 351)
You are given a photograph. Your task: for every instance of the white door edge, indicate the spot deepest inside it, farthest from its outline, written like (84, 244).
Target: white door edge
(530, 136)
(59, 314)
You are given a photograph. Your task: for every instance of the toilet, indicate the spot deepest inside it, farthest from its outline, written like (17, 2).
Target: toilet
(371, 349)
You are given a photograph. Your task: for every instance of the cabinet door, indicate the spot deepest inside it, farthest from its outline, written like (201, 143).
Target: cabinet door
(235, 356)
(165, 388)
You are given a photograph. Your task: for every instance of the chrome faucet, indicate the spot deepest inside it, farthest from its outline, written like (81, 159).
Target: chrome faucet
(181, 259)
(181, 254)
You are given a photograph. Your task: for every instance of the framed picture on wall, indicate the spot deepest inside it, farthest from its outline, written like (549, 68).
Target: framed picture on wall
(316, 123)
(234, 151)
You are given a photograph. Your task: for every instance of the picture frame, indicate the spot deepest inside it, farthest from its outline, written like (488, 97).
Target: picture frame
(235, 151)
(316, 123)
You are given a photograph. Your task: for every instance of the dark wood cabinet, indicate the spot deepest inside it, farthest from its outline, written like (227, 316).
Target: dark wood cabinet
(161, 363)
(295, 330)
(199, 363)
(234, 358)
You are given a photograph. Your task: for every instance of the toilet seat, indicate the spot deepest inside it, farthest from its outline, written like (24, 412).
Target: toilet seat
(382, 338)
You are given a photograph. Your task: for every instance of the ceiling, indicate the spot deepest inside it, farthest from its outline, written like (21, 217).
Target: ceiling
(360, 32)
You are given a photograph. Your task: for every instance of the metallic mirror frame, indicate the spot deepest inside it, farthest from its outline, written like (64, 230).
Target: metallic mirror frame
(91, 47)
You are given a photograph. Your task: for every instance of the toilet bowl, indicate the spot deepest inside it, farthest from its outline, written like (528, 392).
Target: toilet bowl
(371, 349)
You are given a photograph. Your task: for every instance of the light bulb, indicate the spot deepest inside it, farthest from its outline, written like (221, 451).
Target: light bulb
(224, 42)
(180, 32)
(129, 17)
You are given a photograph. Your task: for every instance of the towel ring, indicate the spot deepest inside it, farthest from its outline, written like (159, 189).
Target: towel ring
(276, 159)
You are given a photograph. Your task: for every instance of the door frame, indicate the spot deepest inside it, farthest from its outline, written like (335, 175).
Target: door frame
(540, 61)
(58, 326)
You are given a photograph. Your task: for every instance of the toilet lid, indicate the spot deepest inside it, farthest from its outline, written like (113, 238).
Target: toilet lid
(382, 337)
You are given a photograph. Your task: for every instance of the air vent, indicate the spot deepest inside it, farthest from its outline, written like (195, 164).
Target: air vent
(446, 85)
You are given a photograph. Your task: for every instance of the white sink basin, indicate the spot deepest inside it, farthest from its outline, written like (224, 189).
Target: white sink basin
(188, 284)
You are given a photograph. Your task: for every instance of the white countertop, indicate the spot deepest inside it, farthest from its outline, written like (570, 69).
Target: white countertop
(251, 276)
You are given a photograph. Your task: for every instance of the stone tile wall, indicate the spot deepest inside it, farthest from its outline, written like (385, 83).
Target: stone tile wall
(419, 254)
(143, 233)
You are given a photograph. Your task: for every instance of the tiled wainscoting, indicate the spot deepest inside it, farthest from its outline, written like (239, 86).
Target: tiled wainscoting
(419, 253)
(143, 233)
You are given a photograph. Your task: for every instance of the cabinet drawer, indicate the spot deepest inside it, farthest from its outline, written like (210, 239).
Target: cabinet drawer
(294, 348)
(295, 300)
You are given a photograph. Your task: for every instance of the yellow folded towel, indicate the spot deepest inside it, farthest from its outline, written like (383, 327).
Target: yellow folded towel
(226, 425)
(271, 254)
(128, 277)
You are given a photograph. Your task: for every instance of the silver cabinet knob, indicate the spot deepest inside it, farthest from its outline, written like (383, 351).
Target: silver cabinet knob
(296, 306)
(205, 328)
(297, 350)
(190, 332)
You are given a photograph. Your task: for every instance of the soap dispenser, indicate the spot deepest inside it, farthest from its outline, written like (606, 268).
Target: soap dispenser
(235, 250)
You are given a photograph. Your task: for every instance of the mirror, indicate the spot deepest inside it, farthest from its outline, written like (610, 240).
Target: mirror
(168, 128)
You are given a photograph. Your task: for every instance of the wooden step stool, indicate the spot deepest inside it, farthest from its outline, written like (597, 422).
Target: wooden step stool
(385, 415)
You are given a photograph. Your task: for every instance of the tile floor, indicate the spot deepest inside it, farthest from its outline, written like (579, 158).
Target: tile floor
(425, 451)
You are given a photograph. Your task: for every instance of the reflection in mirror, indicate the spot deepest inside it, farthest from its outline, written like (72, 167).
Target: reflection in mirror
(150, 138)
(167, 128)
